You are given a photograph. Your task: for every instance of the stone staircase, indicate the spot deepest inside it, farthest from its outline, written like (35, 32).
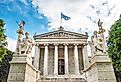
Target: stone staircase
(61, 79)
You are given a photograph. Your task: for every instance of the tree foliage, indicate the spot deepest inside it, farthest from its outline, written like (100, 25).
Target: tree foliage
(114, 45)
(3, 41)
(5, 54)
(5, 66)
(2, 34)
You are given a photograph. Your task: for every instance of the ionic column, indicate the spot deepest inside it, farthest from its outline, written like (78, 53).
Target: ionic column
(56, 60)
(45, 61)
(76, 60)
(66, 59)
(36, 56)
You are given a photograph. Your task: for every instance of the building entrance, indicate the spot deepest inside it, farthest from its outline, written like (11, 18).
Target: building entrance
(61, 67)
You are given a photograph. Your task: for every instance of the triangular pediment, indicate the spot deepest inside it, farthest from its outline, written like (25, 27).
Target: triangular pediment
(61, 34)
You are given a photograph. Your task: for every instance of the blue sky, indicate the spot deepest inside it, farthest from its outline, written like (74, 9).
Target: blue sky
(16, 10)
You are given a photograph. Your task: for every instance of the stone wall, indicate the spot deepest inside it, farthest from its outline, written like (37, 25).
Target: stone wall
(21, 70)
(61, 53)
(100, 69)
(80, 57)
(92, 74)
(41, 64)
(22, 73)
(51, 61)
(17, 70)
(71, 61)
(105, 72)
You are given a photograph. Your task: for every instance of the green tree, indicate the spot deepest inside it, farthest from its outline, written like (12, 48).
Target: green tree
(5, 54)
(2, 34)
(5, 66)
(3, 41)
(114, 46)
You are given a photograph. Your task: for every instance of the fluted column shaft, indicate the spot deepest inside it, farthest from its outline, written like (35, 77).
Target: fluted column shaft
(66, 59)
(76, 60)
(56, 60)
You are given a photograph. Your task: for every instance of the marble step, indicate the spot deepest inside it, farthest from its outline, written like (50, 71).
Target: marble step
(62, 80)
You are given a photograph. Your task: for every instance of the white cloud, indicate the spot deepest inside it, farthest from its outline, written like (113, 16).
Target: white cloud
(11, 44)
(53, 8)
(83, 13)
(78, 10)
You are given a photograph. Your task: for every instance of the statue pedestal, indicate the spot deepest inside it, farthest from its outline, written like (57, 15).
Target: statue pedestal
(21, 69)
(24, 58)
(100, 57)
(100, 69)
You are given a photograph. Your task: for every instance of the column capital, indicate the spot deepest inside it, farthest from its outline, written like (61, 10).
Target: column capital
(85, 44)
(36, 44)
(76, 44)
(46, 44)
(56, 44)
(66, 44)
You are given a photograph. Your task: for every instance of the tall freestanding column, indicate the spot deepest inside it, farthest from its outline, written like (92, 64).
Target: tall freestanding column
(66, 59)
(56, 60)
(45, 61)
(76, 59)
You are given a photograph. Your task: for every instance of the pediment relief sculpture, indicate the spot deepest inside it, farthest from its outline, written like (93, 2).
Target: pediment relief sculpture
(61, 34)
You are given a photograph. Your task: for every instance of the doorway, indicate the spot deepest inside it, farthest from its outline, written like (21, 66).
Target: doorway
(61, 67)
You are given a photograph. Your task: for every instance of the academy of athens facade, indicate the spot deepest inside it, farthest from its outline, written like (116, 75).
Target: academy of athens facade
(61, 53)
(61, 56)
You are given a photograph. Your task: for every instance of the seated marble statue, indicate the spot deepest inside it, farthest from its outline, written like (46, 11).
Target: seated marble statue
(94, 42)
(25, 47)
(91, 43)
(97, 43)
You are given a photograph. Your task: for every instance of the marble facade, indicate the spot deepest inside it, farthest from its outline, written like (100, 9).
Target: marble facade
(61, 45)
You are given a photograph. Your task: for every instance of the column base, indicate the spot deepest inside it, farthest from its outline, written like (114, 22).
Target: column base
(66, 74)
(55, 74)
(77, 73)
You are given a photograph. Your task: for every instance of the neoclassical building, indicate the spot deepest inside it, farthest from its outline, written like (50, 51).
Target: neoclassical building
(61, 56)
(61, 52)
